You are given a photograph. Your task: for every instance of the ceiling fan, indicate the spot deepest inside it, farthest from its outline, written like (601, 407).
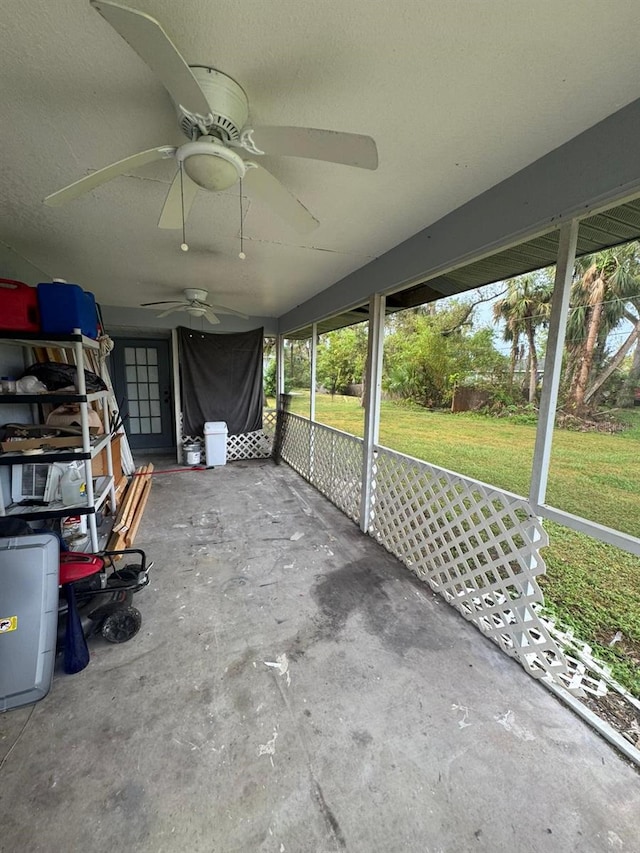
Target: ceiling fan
(194, 303)
(212, 113)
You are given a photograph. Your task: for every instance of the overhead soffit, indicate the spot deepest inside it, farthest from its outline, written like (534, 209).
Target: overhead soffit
(613, 227)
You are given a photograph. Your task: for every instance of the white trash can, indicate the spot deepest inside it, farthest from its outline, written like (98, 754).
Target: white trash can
(215, 443)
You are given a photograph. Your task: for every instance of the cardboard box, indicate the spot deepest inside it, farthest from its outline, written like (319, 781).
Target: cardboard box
(18, 444)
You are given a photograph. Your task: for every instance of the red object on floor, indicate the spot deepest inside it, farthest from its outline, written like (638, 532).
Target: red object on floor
(75, 566)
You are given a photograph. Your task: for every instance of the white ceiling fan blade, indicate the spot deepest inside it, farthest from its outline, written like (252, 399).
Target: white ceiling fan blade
(352, 149)
(222, 310)
(171, 216)
(95, 179)
(211, 317)
(171, 310)
(265, 187)
(164, 302)
(145, 35)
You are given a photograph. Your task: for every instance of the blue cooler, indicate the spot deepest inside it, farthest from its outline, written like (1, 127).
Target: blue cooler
(65, 307)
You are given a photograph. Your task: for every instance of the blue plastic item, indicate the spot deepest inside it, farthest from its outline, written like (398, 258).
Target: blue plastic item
(65, 307)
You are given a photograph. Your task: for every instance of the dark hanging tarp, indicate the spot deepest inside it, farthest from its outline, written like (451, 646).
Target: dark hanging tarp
(221, 380)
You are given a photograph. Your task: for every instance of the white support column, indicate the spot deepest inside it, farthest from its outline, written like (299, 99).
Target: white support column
(86, 440)
(109, 454)
(177, 394)
(314, 367)
(553, 362)
(279, 367)
(373, 388)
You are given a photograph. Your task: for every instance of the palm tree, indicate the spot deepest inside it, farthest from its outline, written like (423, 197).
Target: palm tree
(524, 309)
(606, 282)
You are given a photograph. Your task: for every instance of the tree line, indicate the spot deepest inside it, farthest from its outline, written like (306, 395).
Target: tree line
(432, 350)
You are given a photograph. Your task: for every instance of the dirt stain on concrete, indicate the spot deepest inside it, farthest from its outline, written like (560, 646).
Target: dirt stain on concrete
(387, 601)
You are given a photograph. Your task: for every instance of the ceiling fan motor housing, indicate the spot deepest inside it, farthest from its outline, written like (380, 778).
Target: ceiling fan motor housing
(228, 101)
(195, 294)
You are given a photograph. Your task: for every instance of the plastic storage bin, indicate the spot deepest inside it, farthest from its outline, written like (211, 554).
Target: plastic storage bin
(29, 569)
(18, 306)
(215, 443)
(65, 307)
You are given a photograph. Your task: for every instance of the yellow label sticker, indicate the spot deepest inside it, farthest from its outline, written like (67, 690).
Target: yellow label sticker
(10, 623)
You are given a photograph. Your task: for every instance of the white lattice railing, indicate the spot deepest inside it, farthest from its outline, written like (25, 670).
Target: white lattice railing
(329, 459)
(247, 445)
(474, 544)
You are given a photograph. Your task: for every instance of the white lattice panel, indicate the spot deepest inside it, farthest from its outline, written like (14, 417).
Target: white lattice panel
(336, 468)
(189, 439)
(296, 442)
(586, 675)
(475, 545)
(248, 445)
(329, 459)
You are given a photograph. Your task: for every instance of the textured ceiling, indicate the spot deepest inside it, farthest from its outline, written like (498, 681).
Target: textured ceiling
(458, 95)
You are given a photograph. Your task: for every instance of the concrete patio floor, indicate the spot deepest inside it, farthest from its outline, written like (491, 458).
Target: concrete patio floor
(294, 689)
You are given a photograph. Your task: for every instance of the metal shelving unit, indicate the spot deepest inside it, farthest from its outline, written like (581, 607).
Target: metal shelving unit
(103, 487)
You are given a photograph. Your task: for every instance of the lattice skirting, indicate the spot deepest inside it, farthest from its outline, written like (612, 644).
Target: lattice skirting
(477, 546)
(248, 445)
(329, 459)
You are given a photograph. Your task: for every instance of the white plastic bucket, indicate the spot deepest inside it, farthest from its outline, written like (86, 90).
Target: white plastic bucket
(192, 453)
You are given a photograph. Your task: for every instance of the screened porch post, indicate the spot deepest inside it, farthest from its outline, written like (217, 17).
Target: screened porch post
(177, 394)
(279, 367)
(373, 386)
(314, 365)
(553, 362)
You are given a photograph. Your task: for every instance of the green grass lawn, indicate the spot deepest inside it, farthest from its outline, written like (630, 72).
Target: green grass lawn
(593, 587)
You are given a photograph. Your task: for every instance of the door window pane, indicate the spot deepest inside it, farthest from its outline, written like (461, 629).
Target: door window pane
(144, 408)
(131, 374)
(132, 392)
(134, 425)
(141, 356)
(153, 374)
(145, 424)
(156, 425)
(129, 355)
(133, 408)
(152, 356)
(154, 391)
(142, 374)
(143, 391)
(154, 406)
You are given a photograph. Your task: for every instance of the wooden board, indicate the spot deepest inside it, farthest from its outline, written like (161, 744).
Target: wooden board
(134, 501)
(127, 504)
(133, 530)
(99, 463)
(137, 487)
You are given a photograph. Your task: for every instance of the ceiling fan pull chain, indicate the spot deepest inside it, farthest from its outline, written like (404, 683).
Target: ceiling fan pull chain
(184, 245)
(242, 255)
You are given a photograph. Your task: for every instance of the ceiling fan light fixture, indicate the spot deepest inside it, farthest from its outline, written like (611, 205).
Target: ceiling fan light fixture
(210, 165)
